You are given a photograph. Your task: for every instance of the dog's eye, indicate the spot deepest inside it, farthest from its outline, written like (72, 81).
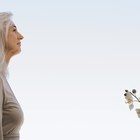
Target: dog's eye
(125, 94)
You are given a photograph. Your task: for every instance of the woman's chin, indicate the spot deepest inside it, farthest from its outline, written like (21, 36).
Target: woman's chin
(17, 51)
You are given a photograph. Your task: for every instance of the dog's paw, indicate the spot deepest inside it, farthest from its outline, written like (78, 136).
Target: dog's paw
(138, 112)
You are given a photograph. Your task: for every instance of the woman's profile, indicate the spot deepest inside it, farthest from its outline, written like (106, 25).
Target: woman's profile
(11, 114)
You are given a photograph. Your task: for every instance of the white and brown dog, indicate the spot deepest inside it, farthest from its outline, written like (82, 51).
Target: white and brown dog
(129, 100)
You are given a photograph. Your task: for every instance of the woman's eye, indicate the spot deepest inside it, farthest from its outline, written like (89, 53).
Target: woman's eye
(14, 30)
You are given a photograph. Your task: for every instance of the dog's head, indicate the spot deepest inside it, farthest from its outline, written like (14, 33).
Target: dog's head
(129, 99)
(128, 96)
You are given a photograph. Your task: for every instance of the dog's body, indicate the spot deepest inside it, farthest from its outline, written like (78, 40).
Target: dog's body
(129, 100)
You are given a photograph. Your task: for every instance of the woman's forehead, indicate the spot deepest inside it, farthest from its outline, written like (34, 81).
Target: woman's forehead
(12, 24)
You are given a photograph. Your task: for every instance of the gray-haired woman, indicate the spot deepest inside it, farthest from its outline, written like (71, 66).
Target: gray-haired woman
(11, 115)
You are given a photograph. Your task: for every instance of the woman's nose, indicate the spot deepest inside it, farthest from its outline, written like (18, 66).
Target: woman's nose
(20, 36)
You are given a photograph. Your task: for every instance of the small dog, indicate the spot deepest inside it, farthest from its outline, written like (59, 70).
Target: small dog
(129, 99)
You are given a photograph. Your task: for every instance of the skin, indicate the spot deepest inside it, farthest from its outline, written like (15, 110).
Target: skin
(13, 43)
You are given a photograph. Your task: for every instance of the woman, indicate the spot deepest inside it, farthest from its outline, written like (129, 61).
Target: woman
(11, 115)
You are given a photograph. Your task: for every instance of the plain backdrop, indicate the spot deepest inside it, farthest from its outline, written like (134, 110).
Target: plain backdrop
(78, 57)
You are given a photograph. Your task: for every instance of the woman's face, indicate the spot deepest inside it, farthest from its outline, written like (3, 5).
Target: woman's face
(13, 41)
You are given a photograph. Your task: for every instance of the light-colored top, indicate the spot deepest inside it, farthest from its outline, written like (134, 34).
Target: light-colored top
(11, 115)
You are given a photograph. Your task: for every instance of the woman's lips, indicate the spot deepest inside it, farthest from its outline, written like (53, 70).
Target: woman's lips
(19, 43)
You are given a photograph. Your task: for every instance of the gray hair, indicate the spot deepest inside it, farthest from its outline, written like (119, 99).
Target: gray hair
(5, 23)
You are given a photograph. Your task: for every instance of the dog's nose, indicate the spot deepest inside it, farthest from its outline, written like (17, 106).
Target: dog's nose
(134, 91)
(125, 94)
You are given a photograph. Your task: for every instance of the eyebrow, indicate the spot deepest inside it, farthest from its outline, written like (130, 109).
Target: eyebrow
(14, 26)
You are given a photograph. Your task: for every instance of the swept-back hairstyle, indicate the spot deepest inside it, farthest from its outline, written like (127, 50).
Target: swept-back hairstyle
(5, 23)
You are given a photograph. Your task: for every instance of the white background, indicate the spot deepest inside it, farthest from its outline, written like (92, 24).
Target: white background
(77, 58)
